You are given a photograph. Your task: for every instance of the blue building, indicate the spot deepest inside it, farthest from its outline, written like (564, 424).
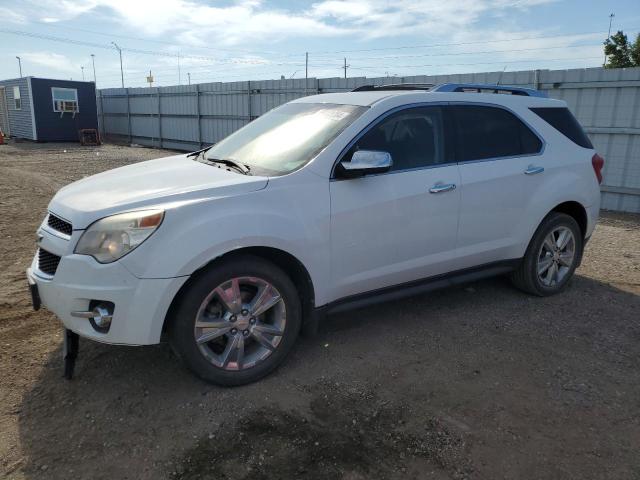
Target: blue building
(47, 110)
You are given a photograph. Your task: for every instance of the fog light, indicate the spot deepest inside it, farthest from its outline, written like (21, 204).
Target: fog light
(99, 315)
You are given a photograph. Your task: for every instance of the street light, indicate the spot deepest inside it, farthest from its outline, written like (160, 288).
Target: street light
(120, 52)
(93, 62)
(19, 65)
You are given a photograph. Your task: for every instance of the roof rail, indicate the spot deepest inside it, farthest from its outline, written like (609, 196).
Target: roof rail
(395, 86)
(486, 88)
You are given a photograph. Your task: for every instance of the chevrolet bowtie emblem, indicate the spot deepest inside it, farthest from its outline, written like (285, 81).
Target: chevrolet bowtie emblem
(39, 238)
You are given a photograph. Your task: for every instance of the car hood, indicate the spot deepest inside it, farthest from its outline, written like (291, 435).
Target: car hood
(171, 180)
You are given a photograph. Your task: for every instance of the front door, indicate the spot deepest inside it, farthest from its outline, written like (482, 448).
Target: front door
(399, 226)
(4, 114)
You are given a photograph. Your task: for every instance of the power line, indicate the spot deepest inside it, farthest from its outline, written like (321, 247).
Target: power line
(475, 63)
(480, 42)
(375, 69)
(292, 64)
(200, 57)
(481, 52)
(150, 40)
(257, 64)
(107, 47)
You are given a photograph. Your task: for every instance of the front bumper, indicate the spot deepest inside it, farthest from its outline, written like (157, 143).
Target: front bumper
(141, 305)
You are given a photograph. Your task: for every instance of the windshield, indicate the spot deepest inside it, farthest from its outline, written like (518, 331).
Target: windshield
(286, 138)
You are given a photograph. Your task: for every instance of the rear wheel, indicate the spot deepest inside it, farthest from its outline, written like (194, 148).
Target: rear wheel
(553, 255)
(237, 321)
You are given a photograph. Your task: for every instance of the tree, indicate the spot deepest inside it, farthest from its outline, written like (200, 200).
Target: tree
(618, 52)
(635, 51)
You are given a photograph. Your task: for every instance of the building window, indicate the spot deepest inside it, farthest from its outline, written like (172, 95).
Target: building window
(64, 99)
(16, 98)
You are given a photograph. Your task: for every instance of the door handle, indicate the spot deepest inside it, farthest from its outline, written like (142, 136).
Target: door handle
(439, 188)
(532, 170)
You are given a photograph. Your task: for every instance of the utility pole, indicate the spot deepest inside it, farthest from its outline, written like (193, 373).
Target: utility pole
(121, 70)
(306, 71)
(82, 68)
(189, 77)
(179, 74)
(609, 35)
(345, 67)
(93, 62)
(19, 65)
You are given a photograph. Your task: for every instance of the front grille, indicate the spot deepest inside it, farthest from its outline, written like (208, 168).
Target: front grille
(59, 224)
(47, 262)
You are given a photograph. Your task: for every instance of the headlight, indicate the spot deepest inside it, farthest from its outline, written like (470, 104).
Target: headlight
(113, 237)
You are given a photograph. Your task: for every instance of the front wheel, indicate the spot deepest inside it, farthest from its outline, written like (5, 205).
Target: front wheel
(552, 257)
(237, 321)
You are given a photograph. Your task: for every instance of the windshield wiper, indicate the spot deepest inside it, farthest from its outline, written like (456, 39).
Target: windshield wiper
(198, 152)
(241, 167)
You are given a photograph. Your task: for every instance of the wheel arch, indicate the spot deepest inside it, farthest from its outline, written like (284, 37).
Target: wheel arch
(577, 211)
(291, 265)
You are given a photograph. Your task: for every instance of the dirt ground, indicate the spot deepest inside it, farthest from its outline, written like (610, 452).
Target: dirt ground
(480, 381)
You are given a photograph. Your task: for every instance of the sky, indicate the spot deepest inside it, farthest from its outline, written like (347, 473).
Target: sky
(210, 41)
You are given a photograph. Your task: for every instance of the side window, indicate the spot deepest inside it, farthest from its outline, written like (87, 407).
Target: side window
(17, 101)
(563, 120)
(490, 132)
(414, 138)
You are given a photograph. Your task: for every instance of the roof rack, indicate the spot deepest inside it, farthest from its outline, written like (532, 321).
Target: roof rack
(454, 87)
(394, 86)
(486, 88)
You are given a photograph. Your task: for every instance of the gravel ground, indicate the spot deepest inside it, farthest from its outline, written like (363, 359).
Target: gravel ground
(480, 381)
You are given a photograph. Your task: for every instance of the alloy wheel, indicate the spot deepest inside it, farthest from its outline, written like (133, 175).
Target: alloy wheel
(556, 256)
(240, 323)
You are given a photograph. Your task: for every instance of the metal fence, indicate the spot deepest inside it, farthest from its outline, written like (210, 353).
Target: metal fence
(186, 117)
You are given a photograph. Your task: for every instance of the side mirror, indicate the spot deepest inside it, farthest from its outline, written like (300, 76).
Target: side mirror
(365, 162)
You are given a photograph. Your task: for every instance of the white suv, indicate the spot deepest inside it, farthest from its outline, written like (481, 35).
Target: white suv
(328, 202)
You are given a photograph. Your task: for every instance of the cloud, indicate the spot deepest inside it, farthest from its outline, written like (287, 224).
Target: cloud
(50, 60)
(246, 32)
(244, 21)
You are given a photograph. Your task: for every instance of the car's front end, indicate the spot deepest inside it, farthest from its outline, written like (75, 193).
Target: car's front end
(87, 267)
(101, 301)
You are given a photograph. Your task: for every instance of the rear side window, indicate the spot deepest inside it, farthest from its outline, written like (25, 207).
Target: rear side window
(563, 120)
(483, 132)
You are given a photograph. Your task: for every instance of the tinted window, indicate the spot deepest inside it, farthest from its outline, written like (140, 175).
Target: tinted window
(562, 120)
(413, 137)
(490, 132)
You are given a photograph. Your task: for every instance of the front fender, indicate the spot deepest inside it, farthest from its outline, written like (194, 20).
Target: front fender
(290, 216)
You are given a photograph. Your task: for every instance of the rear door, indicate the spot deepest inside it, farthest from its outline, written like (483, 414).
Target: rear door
(388, 229)
(501, 167)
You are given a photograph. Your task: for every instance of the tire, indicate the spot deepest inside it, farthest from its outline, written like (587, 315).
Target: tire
(540, 252)
(219, 329)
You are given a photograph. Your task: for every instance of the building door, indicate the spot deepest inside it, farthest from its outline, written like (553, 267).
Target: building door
(4, 114)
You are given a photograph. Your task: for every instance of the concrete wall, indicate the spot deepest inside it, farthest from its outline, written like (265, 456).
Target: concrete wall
(186, 117)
